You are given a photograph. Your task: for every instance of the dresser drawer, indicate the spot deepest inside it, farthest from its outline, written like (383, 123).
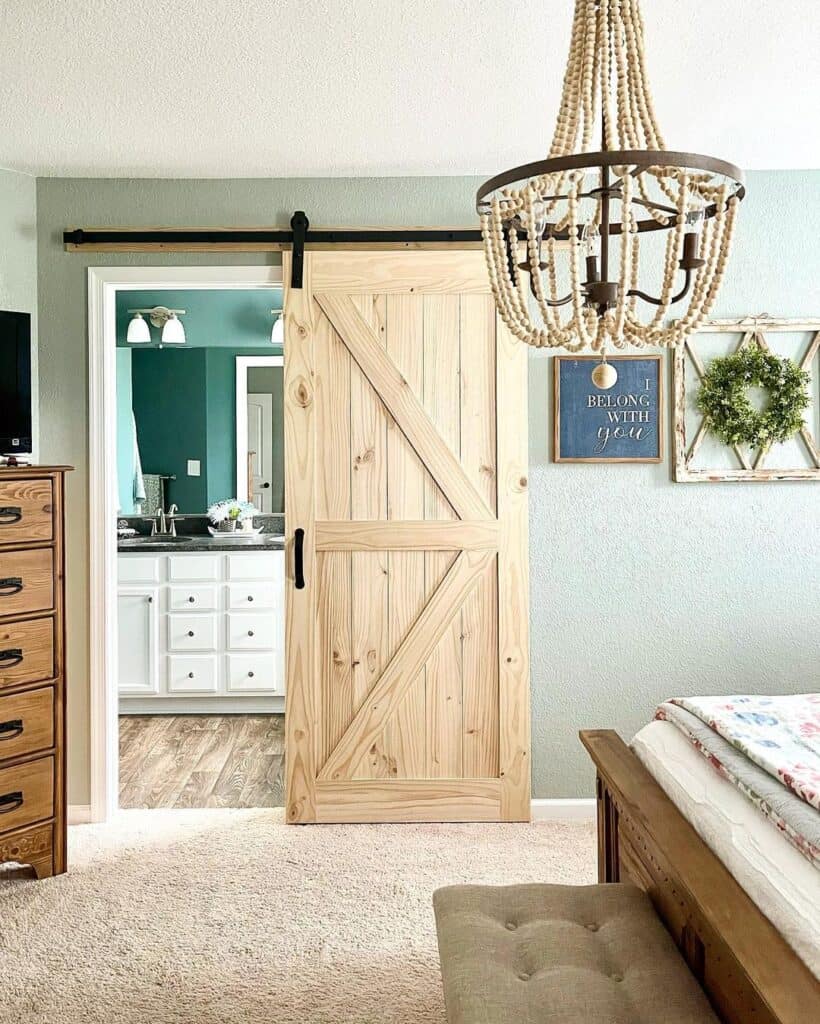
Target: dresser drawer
(195, 567)
(26, 651)
(253, 673)
(26, 722)
(26, 581)
(193, 673)
(26, 511)
(26, 793)
(251, 632)
(252, 595)
(198, 597)
(192, 632)
(256, 565)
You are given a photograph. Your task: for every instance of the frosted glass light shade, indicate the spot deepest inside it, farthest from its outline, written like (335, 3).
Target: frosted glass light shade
(139, 333)
(277, 335)
(173, 333)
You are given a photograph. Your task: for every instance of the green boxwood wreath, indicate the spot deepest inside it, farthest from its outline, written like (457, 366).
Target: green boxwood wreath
(723, 400)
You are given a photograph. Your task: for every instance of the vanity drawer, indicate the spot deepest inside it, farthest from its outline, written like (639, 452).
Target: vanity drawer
(193, 673)
(192, 632)
(256, 565)
(250, 596)
(26, 581)
(197, 597)
(249, 631)
(26, 722)
(26, 793)
(194, 567)
(253, 673)
(138, 569)
(26, 651)
(26, 511)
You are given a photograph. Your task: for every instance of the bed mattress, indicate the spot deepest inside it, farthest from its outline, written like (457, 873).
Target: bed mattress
(780, 880)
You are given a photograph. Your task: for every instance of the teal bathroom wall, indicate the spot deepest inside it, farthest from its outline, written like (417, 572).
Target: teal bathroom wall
(175, 422)
(126, 461)
(640, 587)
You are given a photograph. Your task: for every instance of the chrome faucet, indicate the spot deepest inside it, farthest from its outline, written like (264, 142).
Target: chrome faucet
(164, 524)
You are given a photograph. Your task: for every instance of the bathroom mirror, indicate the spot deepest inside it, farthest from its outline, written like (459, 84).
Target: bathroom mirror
(199, 409)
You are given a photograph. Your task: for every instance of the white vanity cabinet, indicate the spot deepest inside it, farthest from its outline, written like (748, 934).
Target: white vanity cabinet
(201, 631)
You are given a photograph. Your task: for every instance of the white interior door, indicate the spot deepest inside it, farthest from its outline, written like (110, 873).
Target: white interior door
(260, 450)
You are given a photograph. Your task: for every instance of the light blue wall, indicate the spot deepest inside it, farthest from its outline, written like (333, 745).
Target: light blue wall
(640, 587)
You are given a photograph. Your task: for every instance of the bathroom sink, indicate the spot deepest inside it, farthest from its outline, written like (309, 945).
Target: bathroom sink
(144, 542)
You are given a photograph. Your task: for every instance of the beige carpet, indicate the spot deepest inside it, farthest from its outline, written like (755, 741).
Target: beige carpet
(231, 917)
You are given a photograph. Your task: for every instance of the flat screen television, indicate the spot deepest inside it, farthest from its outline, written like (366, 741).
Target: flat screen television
(15, 383)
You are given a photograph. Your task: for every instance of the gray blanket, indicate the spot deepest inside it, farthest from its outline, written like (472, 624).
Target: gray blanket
(798, 821)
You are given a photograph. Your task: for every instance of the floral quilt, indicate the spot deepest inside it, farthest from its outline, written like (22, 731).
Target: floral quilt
(779, 734)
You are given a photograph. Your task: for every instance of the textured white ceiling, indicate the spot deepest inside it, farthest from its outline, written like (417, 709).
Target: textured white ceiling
(274, 88)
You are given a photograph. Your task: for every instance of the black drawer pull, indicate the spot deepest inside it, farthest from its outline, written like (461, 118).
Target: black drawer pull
(10, 514)
(9, 730)
(11, 801)
(13, 656)
(11, 585)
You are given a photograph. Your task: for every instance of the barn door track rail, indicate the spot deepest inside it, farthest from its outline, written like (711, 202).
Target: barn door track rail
(296, 238)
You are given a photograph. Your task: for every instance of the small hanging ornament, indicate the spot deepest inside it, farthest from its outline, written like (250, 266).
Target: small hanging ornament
(604, 375)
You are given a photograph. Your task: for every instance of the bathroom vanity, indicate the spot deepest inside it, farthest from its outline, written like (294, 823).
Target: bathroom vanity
(201, 626)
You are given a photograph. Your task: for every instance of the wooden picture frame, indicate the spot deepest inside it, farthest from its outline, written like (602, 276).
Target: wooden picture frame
(656, 362)
(750, 330)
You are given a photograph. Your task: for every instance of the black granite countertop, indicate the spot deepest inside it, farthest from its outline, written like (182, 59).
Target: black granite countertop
(181, 544)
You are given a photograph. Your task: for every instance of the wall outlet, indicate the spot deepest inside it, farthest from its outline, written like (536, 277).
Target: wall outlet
(193, 467)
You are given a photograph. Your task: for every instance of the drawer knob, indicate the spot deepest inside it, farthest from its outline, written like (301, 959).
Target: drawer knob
(10, 729)
(190, 632)
(250, 632)
(192, 599)
(190, 675)
(250, 597)
(10, 514)
(11, 801)
(13, 656)
(11, 585)
(250, 675)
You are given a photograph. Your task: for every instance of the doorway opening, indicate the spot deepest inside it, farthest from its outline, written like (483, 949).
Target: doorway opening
(187, 559)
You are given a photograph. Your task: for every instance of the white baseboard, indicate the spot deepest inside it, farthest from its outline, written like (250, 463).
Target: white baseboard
(79, 814)
(563, 810)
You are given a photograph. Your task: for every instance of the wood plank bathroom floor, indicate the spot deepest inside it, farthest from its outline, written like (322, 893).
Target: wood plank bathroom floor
(201, 760)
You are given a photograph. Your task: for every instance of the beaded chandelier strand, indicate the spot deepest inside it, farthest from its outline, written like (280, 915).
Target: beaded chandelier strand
(566, 231)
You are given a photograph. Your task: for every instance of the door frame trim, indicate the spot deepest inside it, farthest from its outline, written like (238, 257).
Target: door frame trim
(243, 363)
(103, 285)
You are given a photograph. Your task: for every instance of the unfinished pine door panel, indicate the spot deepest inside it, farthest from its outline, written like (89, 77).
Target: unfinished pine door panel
(406, 467)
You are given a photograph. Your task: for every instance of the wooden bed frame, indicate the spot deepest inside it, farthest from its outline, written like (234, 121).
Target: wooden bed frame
(749, 972)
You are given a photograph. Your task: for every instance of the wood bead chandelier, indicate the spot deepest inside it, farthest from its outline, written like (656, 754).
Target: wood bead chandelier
(565, 233)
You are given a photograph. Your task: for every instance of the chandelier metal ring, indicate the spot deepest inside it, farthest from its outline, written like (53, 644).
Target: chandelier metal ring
(641, 160)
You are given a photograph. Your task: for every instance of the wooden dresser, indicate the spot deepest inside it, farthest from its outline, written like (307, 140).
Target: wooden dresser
(32, 669)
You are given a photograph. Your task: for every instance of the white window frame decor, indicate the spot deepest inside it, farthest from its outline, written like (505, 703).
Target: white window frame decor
(103, 285)
(749, 330)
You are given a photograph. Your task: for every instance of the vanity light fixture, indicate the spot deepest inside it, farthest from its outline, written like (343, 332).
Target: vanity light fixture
(138, 331)
(173, 333)
(277, 335)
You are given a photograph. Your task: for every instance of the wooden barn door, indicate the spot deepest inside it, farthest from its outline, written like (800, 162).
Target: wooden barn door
(406, 470)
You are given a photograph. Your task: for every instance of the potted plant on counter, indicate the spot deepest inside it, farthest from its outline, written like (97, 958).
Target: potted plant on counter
(226, 514)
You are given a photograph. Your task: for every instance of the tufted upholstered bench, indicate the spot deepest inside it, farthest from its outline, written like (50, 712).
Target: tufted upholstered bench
(561, 954)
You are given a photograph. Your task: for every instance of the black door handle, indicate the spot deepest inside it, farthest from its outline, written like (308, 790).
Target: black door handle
(298, 558)
(9, 730)
(11, 801)
(11, 514)
(13, 656)
(11, 585)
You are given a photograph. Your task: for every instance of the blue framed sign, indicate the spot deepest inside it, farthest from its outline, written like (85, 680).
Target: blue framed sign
(623, 423)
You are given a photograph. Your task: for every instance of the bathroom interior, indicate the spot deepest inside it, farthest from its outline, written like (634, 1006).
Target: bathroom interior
(200, 561)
